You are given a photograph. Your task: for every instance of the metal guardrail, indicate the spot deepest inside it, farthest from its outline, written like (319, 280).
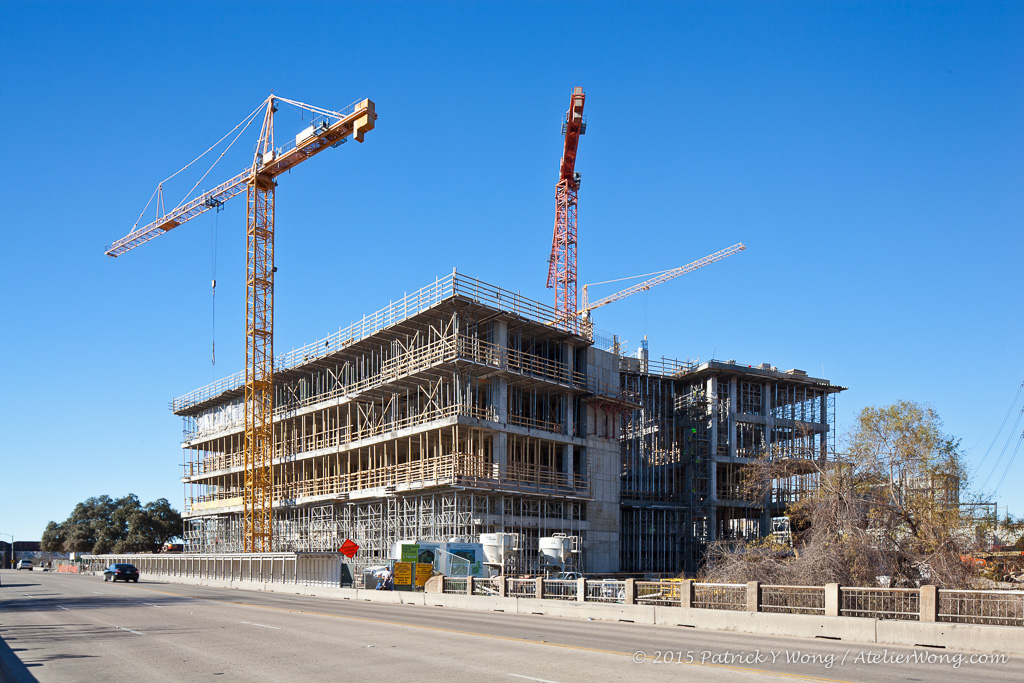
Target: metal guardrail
(793, 599)
(991, 607)
(304, 569)
(665, 593)
(521, 588)
(559, 589)
(880, 603)
(485, 586)
(1005, 608)
(605, 591)
(730, 596)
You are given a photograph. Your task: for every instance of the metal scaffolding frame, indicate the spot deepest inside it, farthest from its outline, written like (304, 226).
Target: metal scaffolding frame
(686, 450)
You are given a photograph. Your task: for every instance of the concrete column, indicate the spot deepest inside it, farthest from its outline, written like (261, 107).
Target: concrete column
(501, 587)
(570, 414)
(569, 459)
(712, 468)
(469, 585)
(499, 454)
(928, 602)
(499, 391)
(539, 592)
(686, 593)
(766, 411)
(753, 596)
(581, 589)
(732, 417)
(824, 420)
(630, 589)
(831, 599)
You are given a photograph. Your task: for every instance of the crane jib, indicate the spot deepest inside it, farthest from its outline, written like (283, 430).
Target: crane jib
(356, 124)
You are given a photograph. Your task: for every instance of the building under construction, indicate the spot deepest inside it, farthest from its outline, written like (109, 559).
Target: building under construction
(466, 409)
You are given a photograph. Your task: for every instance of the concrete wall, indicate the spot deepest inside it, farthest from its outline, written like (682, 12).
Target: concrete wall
(604, 463)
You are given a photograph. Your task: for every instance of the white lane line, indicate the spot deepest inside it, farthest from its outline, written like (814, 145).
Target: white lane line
(29, 596)
(276, 628)
(63, 608)
(122, 628)
(530, 678)
(97, 593)
(150, 604)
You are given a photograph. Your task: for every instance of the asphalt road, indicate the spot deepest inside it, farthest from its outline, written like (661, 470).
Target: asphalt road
(63, 627)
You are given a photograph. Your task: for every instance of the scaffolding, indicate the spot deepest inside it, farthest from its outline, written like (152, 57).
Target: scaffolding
(687, 450)
(466, 409)
(462, 415)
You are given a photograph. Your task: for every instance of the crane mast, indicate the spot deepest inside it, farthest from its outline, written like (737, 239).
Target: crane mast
(258, 490)
(562, 262)
(329, 129)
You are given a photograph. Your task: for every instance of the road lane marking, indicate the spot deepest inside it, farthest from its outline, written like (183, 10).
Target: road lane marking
(63, 608)
(29, 596)
(98, 593)
(780, 674)
(151, 604)
(531, 678)
(122, 628)
(250, 623)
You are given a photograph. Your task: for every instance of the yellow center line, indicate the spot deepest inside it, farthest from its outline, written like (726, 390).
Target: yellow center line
(528, 641)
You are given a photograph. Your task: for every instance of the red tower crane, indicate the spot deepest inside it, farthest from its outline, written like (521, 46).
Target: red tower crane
(562, 264)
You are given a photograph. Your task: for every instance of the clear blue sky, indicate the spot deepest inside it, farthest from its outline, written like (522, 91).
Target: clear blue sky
(868, 153)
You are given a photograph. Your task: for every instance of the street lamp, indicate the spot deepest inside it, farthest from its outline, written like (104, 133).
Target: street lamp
(12, 546)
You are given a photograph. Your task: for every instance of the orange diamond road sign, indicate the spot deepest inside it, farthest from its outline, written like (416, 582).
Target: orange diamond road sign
(348, 548)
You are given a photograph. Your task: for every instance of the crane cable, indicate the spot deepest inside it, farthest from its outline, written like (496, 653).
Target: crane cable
(244, 124)
(213, 289)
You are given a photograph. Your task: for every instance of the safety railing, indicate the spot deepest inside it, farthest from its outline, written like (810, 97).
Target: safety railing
(1003, 608)
(992, 607)
(521, 588)
(793, 599)
(304, 569)
(417, 359)
(468, 469)
(658, 592)
(560, 589)
(605, 591)
(731, 596)
(880, 603)
(485, 586)
(442, 289)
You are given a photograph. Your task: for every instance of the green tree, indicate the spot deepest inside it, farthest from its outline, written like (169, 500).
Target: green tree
(104, 525)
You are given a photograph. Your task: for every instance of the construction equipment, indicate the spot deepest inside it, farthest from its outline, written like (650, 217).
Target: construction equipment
(562, 263)
(328, 129)
(660, 277)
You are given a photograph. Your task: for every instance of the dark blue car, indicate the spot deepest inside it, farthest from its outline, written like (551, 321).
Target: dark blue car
(121, 572)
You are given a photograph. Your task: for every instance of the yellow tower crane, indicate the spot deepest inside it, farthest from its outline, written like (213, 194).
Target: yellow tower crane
(328, 129)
